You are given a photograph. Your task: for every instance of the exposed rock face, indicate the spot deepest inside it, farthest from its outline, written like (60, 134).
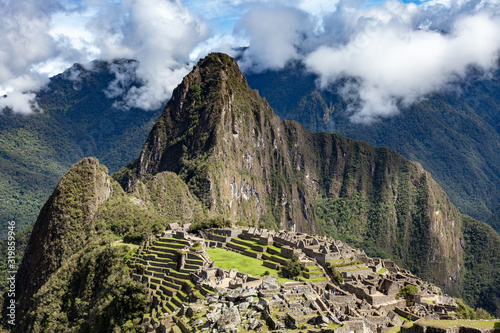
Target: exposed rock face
(229, 319)
(246, 164)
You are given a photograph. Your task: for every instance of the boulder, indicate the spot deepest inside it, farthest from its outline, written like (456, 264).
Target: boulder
(243, 306)
(252, 314)
(263, 302)
(229, 319)
(197, 322)
(213, 317)
(253, 324)
(232, 295)
(269, 283)
(248, 293)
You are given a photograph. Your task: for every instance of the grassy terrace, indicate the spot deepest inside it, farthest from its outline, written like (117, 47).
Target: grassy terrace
(382, 270)
(335, 261)
(130, 246)
(344, 269)
(321, 278)
(248, 248)
(247, 265)
(250, 243)
(312, 268)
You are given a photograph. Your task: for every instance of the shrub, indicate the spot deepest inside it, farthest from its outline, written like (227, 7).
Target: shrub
(214, 222)
(293, 266)
(407, 292)
(337, 277)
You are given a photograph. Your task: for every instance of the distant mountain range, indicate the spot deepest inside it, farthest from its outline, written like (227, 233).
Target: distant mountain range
(78, 120)
(454, 134)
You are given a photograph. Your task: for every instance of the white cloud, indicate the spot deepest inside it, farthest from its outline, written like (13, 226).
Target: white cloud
(395, 63)
(394, 52)
(23, 41)
(275, 35)
(159, 34)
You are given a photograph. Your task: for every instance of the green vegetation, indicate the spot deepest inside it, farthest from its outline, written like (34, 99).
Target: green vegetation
(99, 271)
(191, 171)
(247, 265)
(466, 312)
(440, 132)
(407, 292)
(481, 271)
(316, 279)
(78, 120)
(382, 270)
(337, 277)
(293, 266)
(207, 223)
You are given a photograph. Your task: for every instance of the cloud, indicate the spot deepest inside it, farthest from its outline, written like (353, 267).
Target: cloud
(40, 37)
(24, 40)
(395, 60)
(160, 35)
(392, 53)
(276, 35)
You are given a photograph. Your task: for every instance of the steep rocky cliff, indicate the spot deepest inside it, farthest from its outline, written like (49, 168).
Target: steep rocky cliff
(246, 164)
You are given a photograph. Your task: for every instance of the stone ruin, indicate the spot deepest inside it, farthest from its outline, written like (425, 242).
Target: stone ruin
(366, 301)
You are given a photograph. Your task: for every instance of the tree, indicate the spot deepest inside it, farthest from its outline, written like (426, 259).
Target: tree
(407, 292)
(337, 277)
(293, 266)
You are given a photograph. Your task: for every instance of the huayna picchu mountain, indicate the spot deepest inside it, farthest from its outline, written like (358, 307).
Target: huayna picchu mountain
(219, 153)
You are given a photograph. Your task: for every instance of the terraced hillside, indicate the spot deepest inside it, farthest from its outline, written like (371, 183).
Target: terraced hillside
(270, 254)
(164, 265)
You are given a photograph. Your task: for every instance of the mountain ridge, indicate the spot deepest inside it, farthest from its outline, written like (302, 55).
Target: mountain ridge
(453, 133)
(78, 120)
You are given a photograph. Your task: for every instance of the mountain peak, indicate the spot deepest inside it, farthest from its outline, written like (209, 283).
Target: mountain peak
(210, 106)
(64, 224)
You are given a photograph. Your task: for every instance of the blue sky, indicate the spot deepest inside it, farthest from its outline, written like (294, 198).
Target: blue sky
(399, 51)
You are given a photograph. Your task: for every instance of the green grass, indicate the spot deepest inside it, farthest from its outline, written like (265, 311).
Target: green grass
(403, 318)
(274, 248)
(312, 268)
(395, 329)
(247, 265)
(335, 260)
(120, 242)
(352, 269)
(282, 280)
(246, 247)
(321, 278)
(382, 270)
